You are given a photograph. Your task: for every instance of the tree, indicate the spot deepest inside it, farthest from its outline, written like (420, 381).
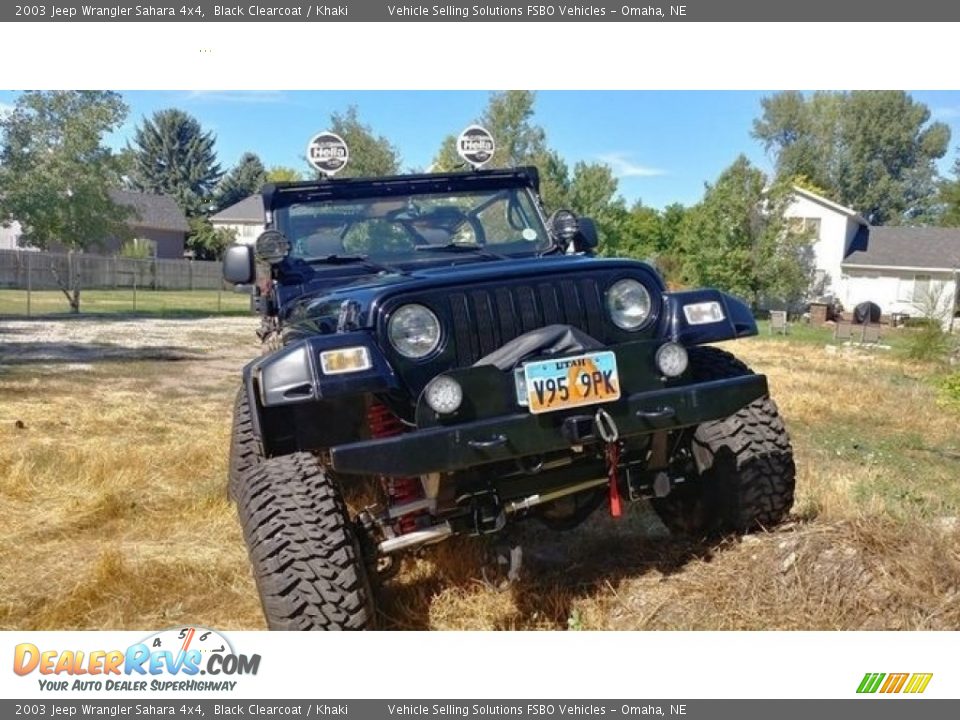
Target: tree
(590, 190)
(243, 180)
(281, 173)
(738, 240)
(874, 151)
(55, 173)
(207, 242)
(174, 156)
(949, 198)
(370, 155)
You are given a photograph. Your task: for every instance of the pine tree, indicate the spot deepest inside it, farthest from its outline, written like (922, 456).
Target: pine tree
(174, 156)
(243, 180)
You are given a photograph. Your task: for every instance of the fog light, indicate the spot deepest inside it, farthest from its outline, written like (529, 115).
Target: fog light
(703, 313)
(345, 360)
(444, 394)
(672, 359)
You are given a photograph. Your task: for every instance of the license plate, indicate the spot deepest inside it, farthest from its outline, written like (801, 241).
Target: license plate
(550, 385)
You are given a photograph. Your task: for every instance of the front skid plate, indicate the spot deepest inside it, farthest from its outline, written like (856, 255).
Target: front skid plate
(456, 447)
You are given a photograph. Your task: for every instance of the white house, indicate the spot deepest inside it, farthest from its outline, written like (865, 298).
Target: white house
(9, 236)
(901, 269)
(245, 218)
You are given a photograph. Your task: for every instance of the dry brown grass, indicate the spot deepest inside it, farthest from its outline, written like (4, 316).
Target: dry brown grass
(115, 514)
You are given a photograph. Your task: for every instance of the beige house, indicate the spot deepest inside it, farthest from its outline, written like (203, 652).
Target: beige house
(245, 219)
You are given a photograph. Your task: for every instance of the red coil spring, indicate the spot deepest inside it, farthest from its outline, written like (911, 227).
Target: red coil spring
(384, 424)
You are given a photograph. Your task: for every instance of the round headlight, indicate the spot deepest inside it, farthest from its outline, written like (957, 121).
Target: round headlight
(672, 359)
(414, 331)
(443, 394)
(629, 304)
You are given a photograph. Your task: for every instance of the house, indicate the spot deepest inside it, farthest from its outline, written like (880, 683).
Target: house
(9, 236)
(901, 269)
(833, 229)
(245, 218)
(910, 270)
(156, 222)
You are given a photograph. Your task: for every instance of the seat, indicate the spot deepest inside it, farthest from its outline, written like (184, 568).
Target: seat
(778, 322)
(843, 331)
(871, 334)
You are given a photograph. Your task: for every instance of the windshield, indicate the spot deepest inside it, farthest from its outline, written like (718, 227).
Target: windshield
(503, 221)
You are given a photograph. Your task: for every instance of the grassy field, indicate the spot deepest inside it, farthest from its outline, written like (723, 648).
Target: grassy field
(162, 303)
(112, 479)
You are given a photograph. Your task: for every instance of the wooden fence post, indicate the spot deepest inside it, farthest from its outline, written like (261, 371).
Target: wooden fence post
(29, 282)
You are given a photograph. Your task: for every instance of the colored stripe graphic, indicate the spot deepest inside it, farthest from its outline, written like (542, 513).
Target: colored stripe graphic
(870, 682)
(918, 682)
(894, 683)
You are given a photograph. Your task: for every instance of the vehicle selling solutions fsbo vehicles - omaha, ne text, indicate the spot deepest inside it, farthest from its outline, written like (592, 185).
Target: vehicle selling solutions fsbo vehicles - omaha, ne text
(439, 339)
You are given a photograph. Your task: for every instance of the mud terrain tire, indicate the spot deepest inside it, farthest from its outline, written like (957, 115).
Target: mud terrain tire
(244, 447)
(747, 472)
(303, 547)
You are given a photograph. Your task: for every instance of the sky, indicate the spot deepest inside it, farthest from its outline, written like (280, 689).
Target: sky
(662, 145)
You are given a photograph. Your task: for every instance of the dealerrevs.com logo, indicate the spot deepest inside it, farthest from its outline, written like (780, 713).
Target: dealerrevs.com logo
(167, 660)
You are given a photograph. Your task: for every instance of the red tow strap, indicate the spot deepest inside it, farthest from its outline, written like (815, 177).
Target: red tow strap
(613, 460)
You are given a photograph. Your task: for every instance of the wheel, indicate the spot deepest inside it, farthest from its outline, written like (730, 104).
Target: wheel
(245, 450)
(745, 463)
(304, 549)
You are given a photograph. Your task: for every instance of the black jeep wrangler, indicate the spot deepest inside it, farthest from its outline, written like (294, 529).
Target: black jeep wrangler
(438, 338)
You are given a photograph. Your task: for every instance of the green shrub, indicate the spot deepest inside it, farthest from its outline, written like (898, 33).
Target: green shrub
(929, 343)
(950, 389)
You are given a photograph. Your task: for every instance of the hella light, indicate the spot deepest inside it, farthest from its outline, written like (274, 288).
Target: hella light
(272, 246)
(345, 360)
(629, 304)
(672, 359)
(703, 313)
(414, 331)
(443, 394)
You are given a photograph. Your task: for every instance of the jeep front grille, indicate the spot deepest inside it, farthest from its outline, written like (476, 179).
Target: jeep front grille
(485, 319)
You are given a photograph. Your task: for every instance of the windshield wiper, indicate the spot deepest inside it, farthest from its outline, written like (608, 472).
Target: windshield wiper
(351, 260)
(455, 247)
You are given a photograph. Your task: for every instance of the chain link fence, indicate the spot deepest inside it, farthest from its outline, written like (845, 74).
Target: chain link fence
(33, 283)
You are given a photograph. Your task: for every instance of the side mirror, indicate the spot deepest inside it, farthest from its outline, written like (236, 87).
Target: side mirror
(238, 266)
(588, 238)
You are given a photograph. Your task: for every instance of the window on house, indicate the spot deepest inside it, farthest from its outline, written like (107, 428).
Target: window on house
(921, 288)
(806, 225)
(905, 289)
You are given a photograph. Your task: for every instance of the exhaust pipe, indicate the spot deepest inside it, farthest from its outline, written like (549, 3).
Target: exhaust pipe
(416, 538)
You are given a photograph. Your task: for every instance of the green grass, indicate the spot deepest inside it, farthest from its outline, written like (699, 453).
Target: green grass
(179, 303)
(895, 339)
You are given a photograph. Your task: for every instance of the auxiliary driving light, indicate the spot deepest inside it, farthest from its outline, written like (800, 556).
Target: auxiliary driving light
(443, 394)
(703, 313)
(672, 359)
(345, 360)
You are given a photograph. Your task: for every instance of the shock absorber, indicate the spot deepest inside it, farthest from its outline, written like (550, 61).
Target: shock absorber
(401, 491)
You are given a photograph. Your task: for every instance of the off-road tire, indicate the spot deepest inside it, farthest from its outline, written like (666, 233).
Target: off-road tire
(746, 469)
(303, 547)
(245, 450)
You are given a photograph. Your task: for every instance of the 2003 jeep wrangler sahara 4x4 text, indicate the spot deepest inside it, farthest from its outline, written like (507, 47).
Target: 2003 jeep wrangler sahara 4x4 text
(438, 333)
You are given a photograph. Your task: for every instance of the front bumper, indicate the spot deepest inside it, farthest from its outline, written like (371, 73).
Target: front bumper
(456, 447)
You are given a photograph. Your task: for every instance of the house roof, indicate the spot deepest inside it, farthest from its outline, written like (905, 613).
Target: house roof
(905, 247)
(836, 207)
(248, 210)
(159, 212)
